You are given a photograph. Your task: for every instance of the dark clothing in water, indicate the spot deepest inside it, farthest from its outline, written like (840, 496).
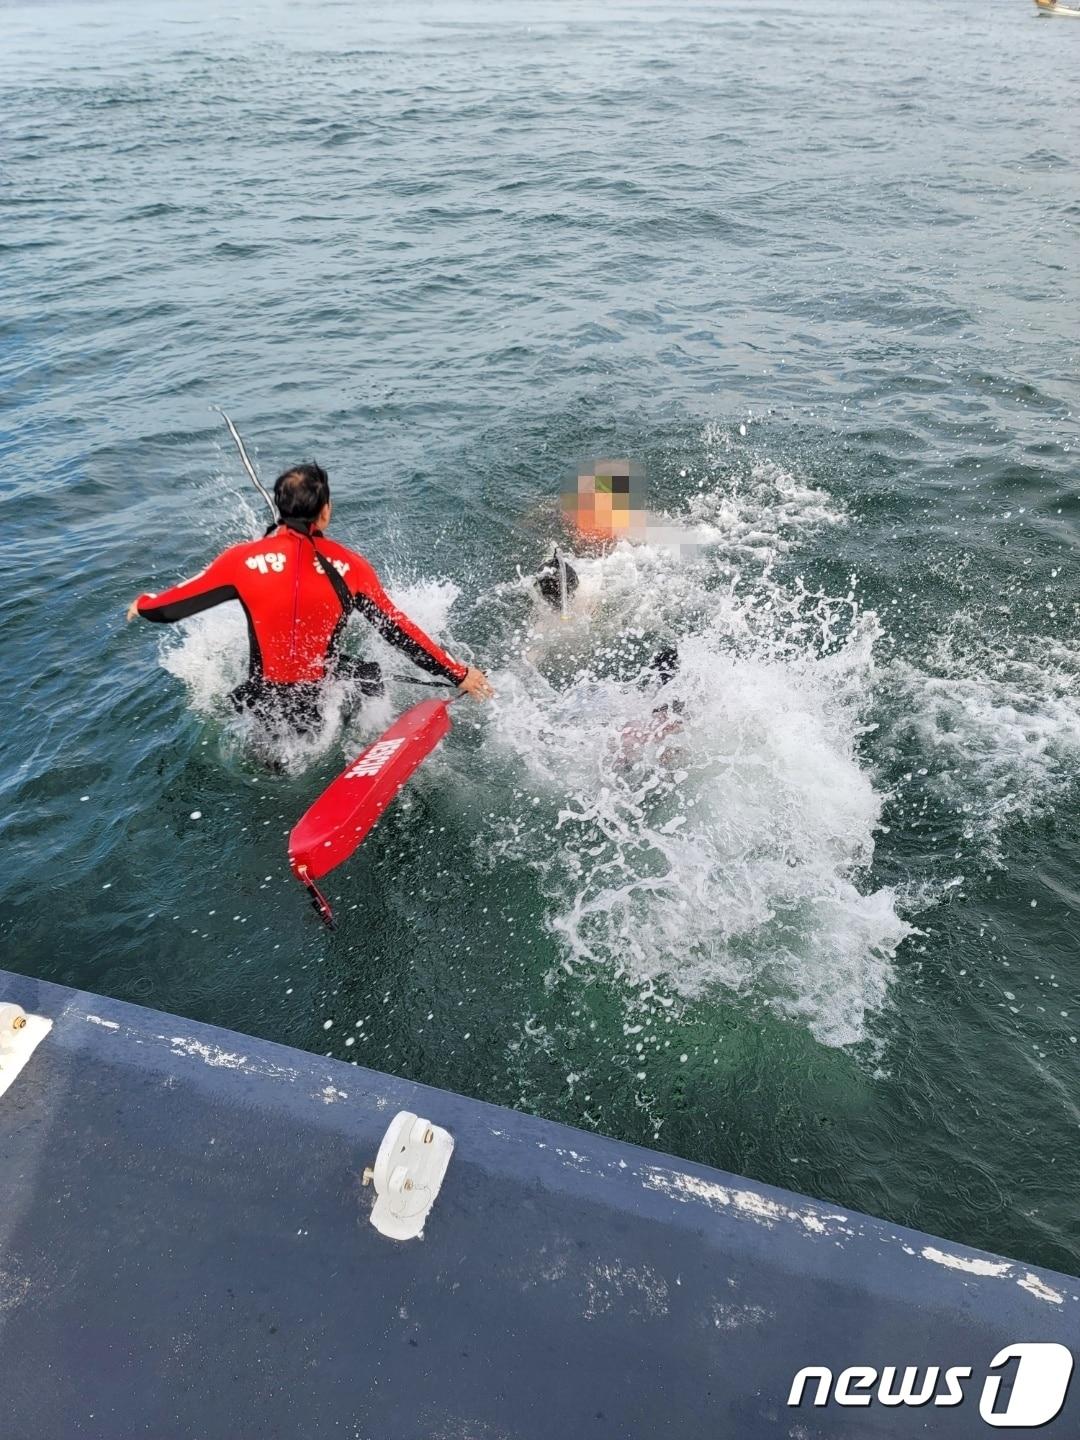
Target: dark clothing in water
(299, 705)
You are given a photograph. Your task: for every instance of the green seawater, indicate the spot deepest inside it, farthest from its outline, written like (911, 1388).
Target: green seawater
(814, 266)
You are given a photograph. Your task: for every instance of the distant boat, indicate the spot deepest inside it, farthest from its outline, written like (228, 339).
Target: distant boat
(1051, 7)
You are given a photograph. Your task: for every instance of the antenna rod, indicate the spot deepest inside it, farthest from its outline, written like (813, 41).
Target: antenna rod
(247, 463)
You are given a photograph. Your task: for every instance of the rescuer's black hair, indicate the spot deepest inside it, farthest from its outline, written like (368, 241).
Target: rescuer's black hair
(301, 493)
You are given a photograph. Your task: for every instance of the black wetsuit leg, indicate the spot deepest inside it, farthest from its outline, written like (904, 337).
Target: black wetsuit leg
(297, 707)
(366, 675)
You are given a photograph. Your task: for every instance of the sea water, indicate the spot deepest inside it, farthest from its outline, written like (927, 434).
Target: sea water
(812, 266)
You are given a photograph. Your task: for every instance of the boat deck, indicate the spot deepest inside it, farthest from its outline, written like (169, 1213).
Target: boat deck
(185, 1251)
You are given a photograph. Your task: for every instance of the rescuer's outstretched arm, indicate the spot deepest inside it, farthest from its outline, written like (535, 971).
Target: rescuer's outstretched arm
(395, 627)
(210, 587)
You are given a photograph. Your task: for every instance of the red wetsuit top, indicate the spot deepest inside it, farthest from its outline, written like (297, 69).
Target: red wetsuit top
(294, 613)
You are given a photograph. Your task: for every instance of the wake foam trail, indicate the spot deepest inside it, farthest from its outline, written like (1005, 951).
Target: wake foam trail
(726, 846)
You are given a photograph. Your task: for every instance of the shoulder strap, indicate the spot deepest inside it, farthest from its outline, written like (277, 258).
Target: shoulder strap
(341, 590)
(337, 580)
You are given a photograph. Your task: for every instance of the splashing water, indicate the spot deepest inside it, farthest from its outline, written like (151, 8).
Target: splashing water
(717, 833)
(208, 653)
(713, 832)
(997, 733)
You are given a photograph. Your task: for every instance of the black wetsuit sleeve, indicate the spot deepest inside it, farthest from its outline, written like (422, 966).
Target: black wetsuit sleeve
(210, 587)
(372, 601)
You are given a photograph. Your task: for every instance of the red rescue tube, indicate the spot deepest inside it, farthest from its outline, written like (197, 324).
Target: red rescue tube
(348, 808)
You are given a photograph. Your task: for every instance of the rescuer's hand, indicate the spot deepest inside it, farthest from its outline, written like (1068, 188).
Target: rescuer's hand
(476, 684)
(132, 611)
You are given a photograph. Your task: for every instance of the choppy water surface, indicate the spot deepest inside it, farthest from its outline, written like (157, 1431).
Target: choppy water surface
(815, 266)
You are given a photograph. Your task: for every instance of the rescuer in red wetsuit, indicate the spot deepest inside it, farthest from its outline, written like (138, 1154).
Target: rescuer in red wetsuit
(298, 589)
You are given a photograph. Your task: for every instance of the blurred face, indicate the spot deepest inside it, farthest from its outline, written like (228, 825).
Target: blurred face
(609, 500)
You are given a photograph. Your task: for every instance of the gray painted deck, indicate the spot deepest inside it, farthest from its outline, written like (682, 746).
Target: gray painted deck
(184, 1252)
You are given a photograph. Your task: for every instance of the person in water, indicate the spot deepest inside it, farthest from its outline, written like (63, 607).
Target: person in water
(298, 589)
(556, 581)
(608, 502)
(665, 719)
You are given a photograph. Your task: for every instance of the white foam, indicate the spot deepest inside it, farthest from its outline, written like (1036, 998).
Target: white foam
(998, 732)
(733, 853)
(209, 654)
